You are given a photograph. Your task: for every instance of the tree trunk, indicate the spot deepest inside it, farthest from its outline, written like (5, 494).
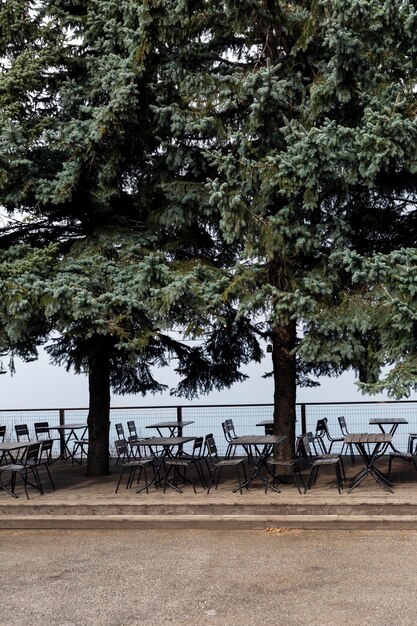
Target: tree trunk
(99, 409)
(285, 389)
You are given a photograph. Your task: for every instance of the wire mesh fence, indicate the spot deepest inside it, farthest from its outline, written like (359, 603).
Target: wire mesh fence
(208, 418)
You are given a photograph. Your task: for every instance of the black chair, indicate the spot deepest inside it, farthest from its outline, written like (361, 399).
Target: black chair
(45, 459)
(330, 439)
(316, 463)
(22, 431)
(132, 429)
(21, 470)
(2, 436)
(293, 465)
(182, 466)
(409, 457)
(80, 446)
(345, 432)
(321, 455)
(215, 465)
(120, 431)
(132, 465)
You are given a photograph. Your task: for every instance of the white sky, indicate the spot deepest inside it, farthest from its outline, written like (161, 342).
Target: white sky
(41, 385)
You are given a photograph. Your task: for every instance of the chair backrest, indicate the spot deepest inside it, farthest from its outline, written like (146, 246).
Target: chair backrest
(120, 431)
(41, 428)
(22, 431)
(231, 428)
(45, 455)
(211, 447)
(132, 428)
(32, 452)
(342, 424)
(122, 449)
(2, 432)
(307, 448)
(198, 447)
(269, 429)
(226, 432)
(321, 428)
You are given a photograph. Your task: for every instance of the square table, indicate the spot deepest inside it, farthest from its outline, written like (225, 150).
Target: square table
(386, 421)
(172, 427)
(66, 453)
(10, 447)
(167, 444)
(363, 442)
(267, 443)
(267, 424)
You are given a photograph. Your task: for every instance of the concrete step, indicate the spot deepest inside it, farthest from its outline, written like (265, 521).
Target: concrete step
(278, 523)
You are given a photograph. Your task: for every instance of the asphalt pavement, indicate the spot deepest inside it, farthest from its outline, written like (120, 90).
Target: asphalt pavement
(274, 577)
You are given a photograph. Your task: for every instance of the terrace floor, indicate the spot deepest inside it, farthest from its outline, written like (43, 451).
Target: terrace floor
(82, 502)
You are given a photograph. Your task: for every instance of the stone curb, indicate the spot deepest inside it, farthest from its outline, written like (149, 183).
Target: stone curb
(209, 522)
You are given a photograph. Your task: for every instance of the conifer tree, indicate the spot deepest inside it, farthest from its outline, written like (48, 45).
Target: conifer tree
(87, 161)
(316, 156)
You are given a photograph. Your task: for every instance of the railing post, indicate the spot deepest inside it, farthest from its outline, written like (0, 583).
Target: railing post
(179, 420)
(61, 423)
(303, 419)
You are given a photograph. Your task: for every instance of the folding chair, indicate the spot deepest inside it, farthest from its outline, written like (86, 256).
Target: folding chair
(318, 462)
(132, 465)
(215, 465)
(22, 431)
(21, 469)
(185, 464)
(293, 465)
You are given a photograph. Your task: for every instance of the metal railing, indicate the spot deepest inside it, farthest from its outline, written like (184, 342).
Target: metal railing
(207, 418)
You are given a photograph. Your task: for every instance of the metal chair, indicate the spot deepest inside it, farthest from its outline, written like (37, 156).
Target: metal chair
(22, 431)
(80, 445)
(293, 465)
(318, 462)
(2, 436)
(409, 457)
(321, 455)
(345, 432)
(132, 429)
(215, 465)
(185, 464)
(21, 469)
(132, 465)
(120, 431)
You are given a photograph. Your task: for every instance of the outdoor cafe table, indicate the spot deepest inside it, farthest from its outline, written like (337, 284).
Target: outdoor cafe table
(173, 427)
(266, 424)
(265, 445)
(13, 449)
(66, 453)
(363, 443)
(168, 444)
(386, 421)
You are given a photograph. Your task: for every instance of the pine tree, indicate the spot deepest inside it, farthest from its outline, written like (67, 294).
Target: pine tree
(316, 156)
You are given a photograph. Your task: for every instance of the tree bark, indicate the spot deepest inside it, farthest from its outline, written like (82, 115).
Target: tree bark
(99, 409)
(283, 340)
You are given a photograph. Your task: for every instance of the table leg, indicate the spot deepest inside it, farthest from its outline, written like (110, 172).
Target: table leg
(370, 468)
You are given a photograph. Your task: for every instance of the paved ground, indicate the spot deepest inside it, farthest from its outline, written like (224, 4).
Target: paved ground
(277, 577)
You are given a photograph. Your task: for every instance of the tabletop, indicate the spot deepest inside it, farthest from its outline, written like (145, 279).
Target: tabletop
(369, 438)
(169, 425)
(257, 440)
(388, 420)
(68, 426)
(163, 441)
(265, 423)
(6, 446)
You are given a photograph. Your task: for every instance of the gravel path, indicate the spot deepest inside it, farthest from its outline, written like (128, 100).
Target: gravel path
(277, 577)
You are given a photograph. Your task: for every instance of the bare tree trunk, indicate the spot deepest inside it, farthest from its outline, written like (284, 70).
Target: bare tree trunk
(99, 410)
(285, 389)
